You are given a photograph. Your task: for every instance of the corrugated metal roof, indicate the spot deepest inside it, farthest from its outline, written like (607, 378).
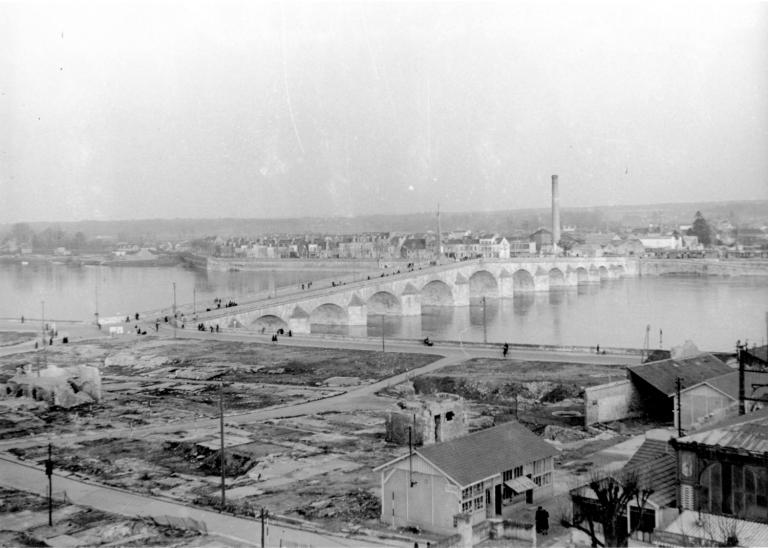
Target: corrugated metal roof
(663, 374)
(488, 452)
(745, 433)
(655, 462)
(520, 485)
(710, 527)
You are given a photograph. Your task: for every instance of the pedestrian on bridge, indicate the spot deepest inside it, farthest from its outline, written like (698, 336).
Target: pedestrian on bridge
(505, 350)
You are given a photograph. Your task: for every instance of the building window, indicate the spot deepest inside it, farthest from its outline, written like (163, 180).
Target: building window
(686, 497)
(479, 505)
(518, 471)
(466, 506)
(466, 493)
(735, 489)
(538, 467)
(537, 480)
(477, 488)
(546, 479)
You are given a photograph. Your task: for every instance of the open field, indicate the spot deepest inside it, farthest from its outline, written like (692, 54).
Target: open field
(8, 338)
(24, 522)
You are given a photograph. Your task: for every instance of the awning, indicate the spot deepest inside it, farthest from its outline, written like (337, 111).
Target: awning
(520, 485)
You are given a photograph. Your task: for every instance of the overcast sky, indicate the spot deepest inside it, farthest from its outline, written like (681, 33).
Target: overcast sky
(126, 110)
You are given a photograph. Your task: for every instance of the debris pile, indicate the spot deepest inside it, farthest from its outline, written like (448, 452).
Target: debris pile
(354, 506)
(58, 386)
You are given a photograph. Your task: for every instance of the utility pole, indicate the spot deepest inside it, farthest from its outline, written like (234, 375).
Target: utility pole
(174, 310)
(661, 344)
(49, 473)
(742, 395)
(382, 332)
(678, 385)
(221, 431)
(42, 328)
(263, 527)
(485, 330)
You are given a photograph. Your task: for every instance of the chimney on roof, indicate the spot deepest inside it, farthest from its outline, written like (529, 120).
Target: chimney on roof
(555, 214)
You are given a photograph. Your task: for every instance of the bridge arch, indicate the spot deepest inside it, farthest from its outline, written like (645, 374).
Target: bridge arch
(556, 278)
(603, 272)
(384, 302)
(328, 314)
(483, 284)
(522, 280)
(436, 293)
(617, 270)
(269, 322)
(582, 275)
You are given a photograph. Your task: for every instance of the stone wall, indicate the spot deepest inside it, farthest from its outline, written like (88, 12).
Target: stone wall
(610, 402)
(432, 418)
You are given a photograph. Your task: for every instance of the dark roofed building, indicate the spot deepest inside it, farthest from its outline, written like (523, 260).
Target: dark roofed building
(723, 468)
(656, 381)
(473, 475)
(655, 464)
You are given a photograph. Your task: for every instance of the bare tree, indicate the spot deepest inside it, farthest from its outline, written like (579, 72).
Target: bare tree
(613, 493)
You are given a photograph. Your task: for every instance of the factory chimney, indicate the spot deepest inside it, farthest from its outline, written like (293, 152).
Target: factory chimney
(555, 215)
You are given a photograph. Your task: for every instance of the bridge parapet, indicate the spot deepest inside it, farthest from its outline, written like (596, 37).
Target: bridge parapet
(404, 293)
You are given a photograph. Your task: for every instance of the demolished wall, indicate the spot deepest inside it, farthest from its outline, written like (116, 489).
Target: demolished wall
(59, 386)
(611, 402)
(432, 419)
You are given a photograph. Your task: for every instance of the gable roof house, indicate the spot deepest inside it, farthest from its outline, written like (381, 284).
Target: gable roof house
(656, 382)
(655, 465)
(473, 475)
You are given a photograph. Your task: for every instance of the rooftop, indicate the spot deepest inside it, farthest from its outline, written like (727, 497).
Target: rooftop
(663, 374)
(655, 462)
(488, 452)
(745, 434)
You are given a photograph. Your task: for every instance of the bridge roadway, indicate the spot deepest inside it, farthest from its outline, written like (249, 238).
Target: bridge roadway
(404, 293)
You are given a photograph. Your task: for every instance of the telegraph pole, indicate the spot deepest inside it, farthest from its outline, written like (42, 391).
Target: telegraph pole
(42, 328)
(485, 330)
(263, 527)
(382, 332)
(678, 385)
(49, 473)
(174, 310)
(221, 430)
(742, 395)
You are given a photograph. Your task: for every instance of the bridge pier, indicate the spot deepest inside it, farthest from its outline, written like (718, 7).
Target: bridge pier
(298, 322)
(461, 291)
(541, 280)
(506, 285)
(410, 303)
(571, 277)
(357, 311)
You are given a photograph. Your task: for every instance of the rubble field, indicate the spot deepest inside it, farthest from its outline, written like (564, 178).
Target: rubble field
(147, 381)
(315, 467)
(24, 522)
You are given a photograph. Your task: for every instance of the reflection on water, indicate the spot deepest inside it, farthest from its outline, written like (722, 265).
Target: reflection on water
(712, 312)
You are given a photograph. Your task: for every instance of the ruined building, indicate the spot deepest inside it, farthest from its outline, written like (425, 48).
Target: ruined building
(59, 386)
(432, 418)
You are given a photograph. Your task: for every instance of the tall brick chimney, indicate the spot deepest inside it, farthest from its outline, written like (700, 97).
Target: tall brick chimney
(555, 215)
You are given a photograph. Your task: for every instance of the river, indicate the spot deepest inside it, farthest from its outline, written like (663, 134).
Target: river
(712, 312)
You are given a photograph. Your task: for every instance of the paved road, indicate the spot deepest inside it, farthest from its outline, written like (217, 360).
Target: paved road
(24, 477)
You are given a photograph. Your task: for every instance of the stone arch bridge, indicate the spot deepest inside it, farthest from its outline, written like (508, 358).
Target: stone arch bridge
(454, 284)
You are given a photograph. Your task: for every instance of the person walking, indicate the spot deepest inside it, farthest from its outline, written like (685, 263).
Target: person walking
(505, 350)
(542, 521)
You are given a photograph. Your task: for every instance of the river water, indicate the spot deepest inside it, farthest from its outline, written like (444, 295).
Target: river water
(712, 312)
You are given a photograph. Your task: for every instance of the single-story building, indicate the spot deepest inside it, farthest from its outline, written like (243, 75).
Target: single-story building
(714, 399)
(473, 475)
(656, 382)
(655, 464)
